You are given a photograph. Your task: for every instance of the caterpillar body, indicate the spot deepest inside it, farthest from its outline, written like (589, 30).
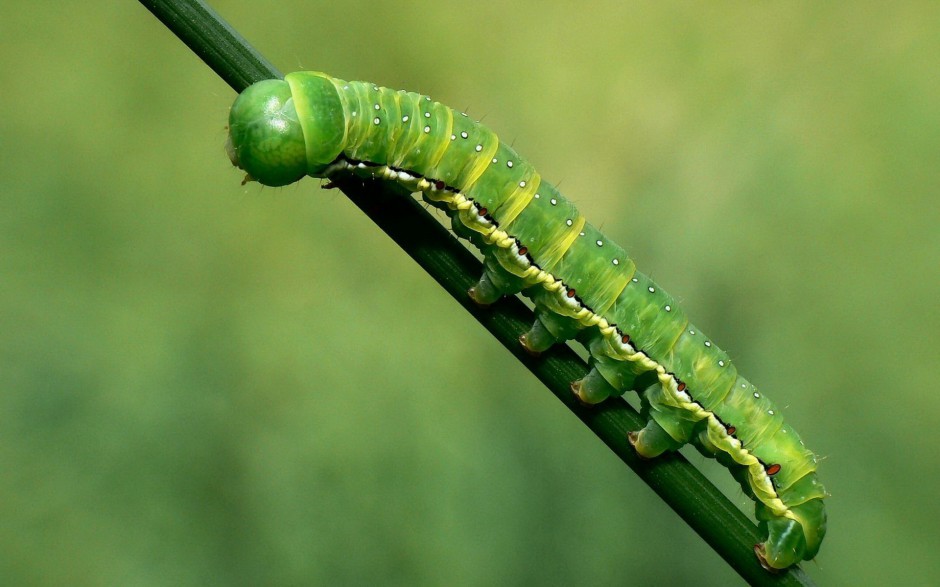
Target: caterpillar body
(582, 284)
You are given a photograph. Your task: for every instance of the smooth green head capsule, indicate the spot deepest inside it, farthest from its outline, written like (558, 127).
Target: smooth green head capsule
(265, 137)
(282, 130)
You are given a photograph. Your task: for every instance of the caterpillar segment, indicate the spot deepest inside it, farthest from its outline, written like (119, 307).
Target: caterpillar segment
(583, 285)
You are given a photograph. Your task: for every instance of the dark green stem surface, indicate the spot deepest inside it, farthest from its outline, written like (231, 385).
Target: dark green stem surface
(718, 521)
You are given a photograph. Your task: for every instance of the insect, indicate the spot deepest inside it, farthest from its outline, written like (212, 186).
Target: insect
(582, 284)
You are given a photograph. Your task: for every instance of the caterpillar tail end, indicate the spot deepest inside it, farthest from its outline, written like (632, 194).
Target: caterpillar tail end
(792, 538)
(774, 559)
(761, 553)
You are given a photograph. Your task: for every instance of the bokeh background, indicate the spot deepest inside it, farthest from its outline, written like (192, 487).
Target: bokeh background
(209, 384)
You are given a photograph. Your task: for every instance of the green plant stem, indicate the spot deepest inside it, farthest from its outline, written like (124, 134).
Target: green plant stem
(719, 522)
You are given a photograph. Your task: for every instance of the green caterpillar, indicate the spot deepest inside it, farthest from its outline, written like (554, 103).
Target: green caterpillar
(534, 241)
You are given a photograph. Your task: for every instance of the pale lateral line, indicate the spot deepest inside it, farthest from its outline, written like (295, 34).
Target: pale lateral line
(495, 236)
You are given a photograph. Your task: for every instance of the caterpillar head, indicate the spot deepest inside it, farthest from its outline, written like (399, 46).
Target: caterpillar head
(282, 130)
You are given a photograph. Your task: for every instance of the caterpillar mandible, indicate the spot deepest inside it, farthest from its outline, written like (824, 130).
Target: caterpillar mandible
(582, 284)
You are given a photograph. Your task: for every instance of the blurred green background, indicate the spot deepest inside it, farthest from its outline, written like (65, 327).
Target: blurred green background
(209, 384)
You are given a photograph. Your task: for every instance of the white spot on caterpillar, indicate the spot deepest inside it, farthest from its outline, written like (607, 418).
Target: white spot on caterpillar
(463, 114)
(721, 363)
(744, 386)
(453, 137)
(600, 243)
(508, 163)
(708, 344)
(651, 289)
(464, 134)
(635, 280)
(537, 196)
(479, 148)
(522, 184)
(427, 115)
(404, 118)
(581, 233)
(771, 412)
(669, 309)
(553, 201)
(569, 222)
(346, 87)
(377, 107)
(692, 332)
(375, 88)
(756, 394)
(427, 129)
(376, 120)
(616, 261)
